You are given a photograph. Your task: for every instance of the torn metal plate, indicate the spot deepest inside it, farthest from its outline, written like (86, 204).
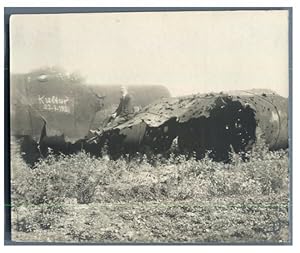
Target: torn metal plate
(214, 121)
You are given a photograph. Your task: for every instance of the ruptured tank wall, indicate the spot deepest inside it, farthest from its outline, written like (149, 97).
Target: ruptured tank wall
(218, 123)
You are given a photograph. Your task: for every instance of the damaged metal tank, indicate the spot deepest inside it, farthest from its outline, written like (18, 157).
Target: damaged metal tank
(217, 122)
(49, 95)
(52, 109)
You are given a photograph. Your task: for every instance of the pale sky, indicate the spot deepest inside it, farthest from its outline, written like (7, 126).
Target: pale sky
(188, 52)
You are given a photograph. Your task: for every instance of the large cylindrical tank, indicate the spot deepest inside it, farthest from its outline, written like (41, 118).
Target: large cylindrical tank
(208, 122)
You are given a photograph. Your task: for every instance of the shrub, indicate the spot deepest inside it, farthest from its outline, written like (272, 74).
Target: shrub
(88, 179)
(41, 195)
(42, 191)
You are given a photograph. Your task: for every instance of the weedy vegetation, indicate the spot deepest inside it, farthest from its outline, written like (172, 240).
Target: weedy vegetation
(79, 198)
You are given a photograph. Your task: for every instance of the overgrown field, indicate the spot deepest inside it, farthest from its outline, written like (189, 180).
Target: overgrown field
(79, 198)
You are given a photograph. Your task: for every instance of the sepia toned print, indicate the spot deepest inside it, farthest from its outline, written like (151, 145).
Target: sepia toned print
(150, 127)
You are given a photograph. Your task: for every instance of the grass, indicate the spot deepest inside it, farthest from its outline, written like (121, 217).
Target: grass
(79, 198)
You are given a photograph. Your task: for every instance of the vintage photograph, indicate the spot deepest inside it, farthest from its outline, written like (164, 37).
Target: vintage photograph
(150, 127)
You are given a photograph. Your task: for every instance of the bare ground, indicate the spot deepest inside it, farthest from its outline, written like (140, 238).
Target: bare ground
(215, 220)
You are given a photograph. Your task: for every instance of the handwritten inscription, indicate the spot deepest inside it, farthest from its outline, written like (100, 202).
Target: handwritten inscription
(55, 104)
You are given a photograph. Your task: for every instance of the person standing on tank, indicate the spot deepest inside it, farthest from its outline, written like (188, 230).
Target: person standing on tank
(125, 107)
(124, 111)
